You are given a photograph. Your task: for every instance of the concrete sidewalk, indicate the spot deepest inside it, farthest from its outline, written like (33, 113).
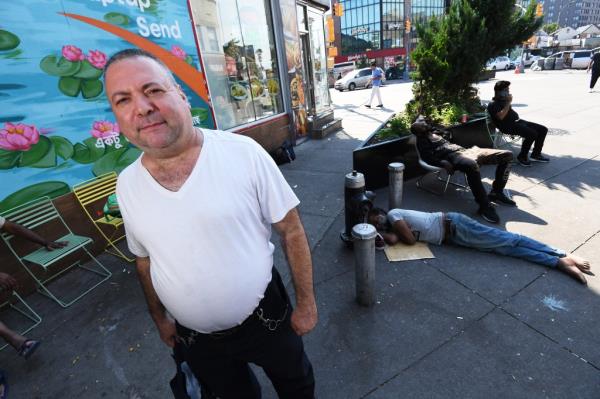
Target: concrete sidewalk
(463, 325)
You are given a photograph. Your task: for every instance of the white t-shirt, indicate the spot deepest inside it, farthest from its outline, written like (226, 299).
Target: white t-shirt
(426, 226)
(208, 243)
(2, 221)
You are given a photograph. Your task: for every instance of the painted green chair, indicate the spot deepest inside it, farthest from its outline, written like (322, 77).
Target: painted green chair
(42, 212)
(23, 309)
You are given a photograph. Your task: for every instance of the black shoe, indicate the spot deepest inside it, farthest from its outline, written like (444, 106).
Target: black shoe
(523, 161)
(539, 158)
(488, 213)
(500, 197)
(380, 106)
(368, 106)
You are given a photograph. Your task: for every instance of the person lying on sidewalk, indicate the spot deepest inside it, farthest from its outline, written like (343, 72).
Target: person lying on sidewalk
(25, 347)
(437, 151)
(408, 227)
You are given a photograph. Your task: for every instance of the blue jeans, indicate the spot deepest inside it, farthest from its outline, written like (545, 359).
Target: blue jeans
(466, 232)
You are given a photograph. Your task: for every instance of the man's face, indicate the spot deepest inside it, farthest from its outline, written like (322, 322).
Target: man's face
(378, 220)
(419, 128)
(151, 110)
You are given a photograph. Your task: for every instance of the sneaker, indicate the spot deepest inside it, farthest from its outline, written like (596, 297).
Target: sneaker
(380, 106)
(523, 161)
(539, 158)
(501, 198)
(368, 106)
(590, 90)
(488, 213)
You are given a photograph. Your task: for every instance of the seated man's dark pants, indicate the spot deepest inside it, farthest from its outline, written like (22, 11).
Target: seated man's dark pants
(220, 362)
(532, 133)
(468, 162)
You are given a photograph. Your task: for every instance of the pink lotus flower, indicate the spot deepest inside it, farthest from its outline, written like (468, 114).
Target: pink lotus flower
(102, 129)
(19, 137)
(72, 53)
(178, 52)
(97, 58)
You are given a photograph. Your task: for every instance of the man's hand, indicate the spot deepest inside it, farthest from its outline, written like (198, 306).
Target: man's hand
(167, 331)
(304, 319)
(7, 282)
(51, 246)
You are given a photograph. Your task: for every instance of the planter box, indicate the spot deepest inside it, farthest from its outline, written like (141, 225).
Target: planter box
(472, 133)
(487, 75)
(372, 160)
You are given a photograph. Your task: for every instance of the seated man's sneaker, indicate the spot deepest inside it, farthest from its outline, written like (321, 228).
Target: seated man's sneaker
(501, 198)
(539, 158)
(523, 161)
(489, 213)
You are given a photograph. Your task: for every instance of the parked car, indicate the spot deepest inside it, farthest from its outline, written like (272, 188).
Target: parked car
(580, 59)
(498, 63)
(360, 78)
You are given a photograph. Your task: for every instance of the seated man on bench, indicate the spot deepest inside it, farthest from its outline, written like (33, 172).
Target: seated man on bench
(437, 151)
(508, 121)
(408, 227)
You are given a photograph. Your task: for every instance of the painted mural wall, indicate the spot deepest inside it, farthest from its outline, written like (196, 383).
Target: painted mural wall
(56, 126)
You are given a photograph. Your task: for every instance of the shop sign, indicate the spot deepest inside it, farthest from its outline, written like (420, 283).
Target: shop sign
(359, 30)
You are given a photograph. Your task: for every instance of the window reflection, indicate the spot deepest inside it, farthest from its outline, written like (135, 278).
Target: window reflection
(240, 61)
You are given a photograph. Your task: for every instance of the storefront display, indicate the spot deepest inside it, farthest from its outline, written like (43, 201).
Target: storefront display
(238, 49)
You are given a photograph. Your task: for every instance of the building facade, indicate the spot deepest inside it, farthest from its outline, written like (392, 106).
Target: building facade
(573, 13)
(377, 29)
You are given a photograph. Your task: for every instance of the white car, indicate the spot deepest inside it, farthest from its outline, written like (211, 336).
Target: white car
(354, 80)
(580, 59)
(498, 63)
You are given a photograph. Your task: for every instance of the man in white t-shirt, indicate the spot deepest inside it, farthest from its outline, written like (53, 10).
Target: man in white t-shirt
(198, 207)
(408, 227)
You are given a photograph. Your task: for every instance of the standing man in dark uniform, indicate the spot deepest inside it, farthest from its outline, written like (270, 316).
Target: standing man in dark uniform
(595, 67)
(508, 121)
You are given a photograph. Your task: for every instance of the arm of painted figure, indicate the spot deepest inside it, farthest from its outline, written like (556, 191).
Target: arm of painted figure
(295, 245)
(18, 230)
(165, 325)
(403, 232)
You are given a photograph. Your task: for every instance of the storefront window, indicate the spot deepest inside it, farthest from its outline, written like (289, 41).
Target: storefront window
(317, 36)
(240, 61)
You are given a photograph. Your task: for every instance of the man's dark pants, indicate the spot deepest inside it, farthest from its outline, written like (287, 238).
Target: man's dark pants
(531, 133)
(220, 361)
(594, 77)
(468, 162)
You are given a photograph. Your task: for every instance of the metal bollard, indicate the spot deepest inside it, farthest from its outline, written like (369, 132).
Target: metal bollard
(364, 262)
(396, 172)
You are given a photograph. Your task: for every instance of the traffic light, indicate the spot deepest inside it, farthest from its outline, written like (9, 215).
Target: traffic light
(338, 9)
(539, 10)
(407, 26)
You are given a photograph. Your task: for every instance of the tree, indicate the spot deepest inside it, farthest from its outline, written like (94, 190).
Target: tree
(551, 27)
(452, 50)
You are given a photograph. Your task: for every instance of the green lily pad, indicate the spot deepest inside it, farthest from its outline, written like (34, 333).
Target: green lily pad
(40, 155)
(50, 189)
(91, 88)
(200, 113)
(63, 147)
(13, 54)
(69, 86)
(116, 161)
(9, 159)
(116, 18)
(55, 66)
(189, 60)
(87, 152)
(8, 41)
(88, 71)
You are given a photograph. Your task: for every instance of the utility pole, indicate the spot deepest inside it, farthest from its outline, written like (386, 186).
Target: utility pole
(407, 36)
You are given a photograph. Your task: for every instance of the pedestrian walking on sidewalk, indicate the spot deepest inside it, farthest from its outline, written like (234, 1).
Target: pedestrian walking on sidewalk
(198, 207)
(594, 66)
(376, 77)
